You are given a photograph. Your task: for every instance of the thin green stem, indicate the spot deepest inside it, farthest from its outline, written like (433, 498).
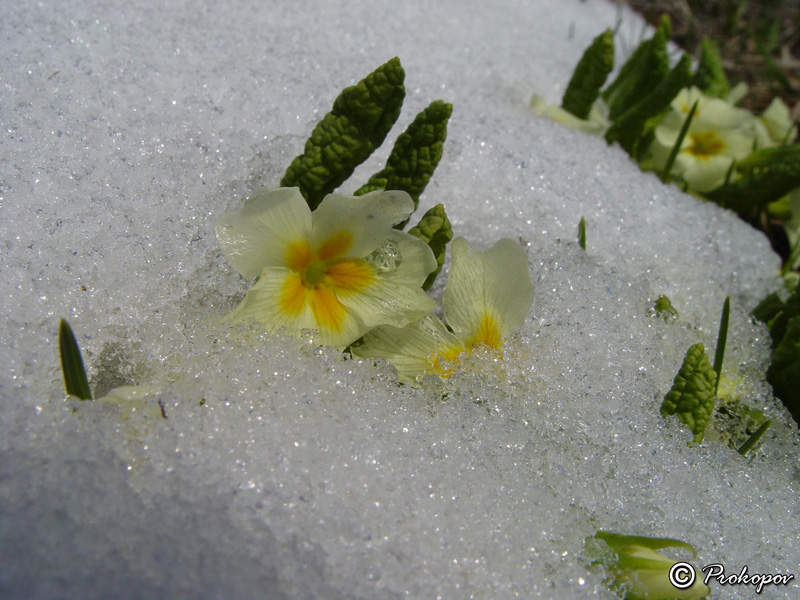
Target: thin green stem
(678, 143)
(722, 339)
(753, 439)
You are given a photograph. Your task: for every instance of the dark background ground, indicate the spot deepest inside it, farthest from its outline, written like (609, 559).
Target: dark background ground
(759, 42)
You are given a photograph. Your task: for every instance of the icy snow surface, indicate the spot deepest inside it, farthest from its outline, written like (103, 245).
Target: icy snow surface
(284, 470)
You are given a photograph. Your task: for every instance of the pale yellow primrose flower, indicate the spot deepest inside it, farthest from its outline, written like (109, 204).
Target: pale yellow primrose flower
(487, 298)
(777, 120)
(340, 270)
(718, 134)
(596, 124)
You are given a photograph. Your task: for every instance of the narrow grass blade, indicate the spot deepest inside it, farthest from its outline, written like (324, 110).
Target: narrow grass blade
(75, 381)
(582, 233)
(722, 339)
(753, 439)
(677, 147)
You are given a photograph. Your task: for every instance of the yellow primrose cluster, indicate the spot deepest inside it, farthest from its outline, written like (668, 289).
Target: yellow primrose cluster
(346, 273)
(719, 134)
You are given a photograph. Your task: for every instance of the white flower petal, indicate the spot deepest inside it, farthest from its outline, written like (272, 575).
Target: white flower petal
(410, 348)
(492, 286)
(395, 297)
(258, 234)
(366, 219)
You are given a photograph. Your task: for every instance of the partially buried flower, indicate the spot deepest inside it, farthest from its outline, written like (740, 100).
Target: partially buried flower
(340, 270)
(637, 572)
(718, 135)
(596, 124)
(487, 298)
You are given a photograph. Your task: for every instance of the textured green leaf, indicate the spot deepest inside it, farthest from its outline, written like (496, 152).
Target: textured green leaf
(710, 76)
(415, 154)
(589, 76)
(582, 233)
(361, 117)
(631, 126)
(75, 381)
(434, 229)
(751, 194)
(664, 308)
(785, 155)
(641, 74)
(784, 370)
(692, 394)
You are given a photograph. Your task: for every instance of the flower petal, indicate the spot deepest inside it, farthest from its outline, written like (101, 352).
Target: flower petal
(346, 226)
(395, 297)
(488, 294)
(410, 349)
(280, 301)
(261, 233)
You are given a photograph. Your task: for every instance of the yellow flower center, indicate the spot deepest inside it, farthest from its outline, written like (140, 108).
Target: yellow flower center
(320, 277)
(488, 333)
(706, 144)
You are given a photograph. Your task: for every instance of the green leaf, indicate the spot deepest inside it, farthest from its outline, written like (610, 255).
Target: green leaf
(590, 75)
(415, 154)
(643, 72)
(784, 370)
(434, 229)
(582, 233)
(665, 309)
(678, 143)
(768, 175)
(710, 76)
(753, 439)
(361, 117)
(75, 381)
(722, 339)
(692, 394)
(631, 126)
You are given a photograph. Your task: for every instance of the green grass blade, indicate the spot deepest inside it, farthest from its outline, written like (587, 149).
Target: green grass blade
(677, 147)
(582, 233)
(722, 339)
(753, 439)
(75, 381)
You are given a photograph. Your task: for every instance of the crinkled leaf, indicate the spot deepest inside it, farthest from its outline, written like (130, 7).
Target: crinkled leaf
(784, 370)
(752, 193)
(692, 393)
(589, 76)
(631, 126)
(434, 229)
(710, 76)
(415, 154)
(641, 74)
(361, 117)
(765, 158)
(664, 308)
(75, 381)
